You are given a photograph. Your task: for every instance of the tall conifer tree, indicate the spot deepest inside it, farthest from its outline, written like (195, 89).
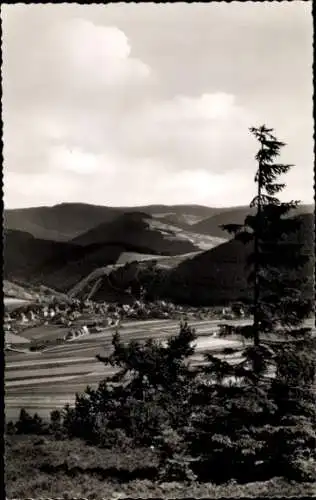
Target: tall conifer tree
(260, 425)
(277, 257)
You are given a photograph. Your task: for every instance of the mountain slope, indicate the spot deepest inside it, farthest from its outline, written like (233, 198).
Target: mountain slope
(211, 225)
(194, 210)
(215, 277)
(24, 255)
(219, 275)
(65, 221)
(60, 222)
(180, 221)
(138, 228)
(59, 265)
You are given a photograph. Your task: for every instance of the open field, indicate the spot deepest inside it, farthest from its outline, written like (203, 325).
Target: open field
(166, 261)
(12, 303)
(42, 381)
(44, 332)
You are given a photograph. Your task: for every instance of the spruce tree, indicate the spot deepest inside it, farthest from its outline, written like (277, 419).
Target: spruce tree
(246, 420)
(148, 394)
(277, 258)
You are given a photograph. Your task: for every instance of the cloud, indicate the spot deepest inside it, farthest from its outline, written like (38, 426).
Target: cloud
(74, 160)
(94, 55)
(128, 184)
(60, 92)
(206, 107)
(102, 109)
(208, 132)
(70, 63)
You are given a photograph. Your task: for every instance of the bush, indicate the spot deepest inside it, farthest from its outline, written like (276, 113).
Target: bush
(149, 392)
(30, 425)
(10, 428)
(197, 424)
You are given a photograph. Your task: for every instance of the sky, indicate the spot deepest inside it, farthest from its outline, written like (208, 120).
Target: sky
(135, 104)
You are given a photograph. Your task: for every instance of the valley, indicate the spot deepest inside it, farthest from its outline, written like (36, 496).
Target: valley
(99, 254)
(46, 380)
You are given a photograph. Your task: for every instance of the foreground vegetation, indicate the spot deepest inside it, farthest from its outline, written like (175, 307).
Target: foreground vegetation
(41, 467)
(175, 423)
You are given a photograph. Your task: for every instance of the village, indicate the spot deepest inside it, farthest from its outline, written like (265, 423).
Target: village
(76, 318)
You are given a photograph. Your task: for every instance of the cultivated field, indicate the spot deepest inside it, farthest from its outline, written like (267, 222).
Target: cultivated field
(42, 381)
(166, 261)
(12, 303)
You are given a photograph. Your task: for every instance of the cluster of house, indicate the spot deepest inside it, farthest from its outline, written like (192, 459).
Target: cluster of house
(77, 332)
(233, 312)
(36, 313)
(60, 314)
(99, 315)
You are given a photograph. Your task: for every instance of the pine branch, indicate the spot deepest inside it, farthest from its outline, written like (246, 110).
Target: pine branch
(232, 228)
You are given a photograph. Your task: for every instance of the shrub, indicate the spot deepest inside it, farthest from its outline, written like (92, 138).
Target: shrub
(149, 392)
(10, 428)
(30, 425)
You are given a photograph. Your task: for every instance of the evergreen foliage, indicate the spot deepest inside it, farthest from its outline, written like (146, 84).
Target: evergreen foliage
(277, 298)
(148, 393)
(263, 414)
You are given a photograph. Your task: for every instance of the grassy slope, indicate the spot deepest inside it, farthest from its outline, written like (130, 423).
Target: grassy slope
(166, 261)
(182, 220)
(41, 467)
(14, 290)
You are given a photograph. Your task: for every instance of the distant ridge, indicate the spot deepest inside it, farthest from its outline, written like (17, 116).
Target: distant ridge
(66, 221)
(137, 228)
(62, 262)
(211, 225)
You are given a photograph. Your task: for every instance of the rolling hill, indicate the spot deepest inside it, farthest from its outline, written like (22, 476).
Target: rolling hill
(138, 228)
(65, 221)
(13, 290)
(121, 235)
(219, 275)
(199, 211)
(61, 222)
(211, 225)
(182, 221)
(215, 277)
(59, 265)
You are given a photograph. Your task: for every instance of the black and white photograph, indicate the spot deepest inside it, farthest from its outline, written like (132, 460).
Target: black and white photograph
(158, 250)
